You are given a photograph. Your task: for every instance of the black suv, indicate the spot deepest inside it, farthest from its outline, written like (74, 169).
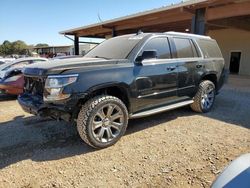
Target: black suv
(125, 77)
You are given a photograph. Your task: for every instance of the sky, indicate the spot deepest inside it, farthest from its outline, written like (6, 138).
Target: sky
(40, 21)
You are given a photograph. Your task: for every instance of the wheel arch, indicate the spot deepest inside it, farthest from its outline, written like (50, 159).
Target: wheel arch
(211, 76)
(119, 90)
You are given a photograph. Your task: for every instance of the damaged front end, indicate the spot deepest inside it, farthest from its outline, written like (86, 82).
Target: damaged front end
(32, 100)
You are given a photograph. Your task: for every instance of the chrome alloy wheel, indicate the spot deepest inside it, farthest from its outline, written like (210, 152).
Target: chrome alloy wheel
(107, 122)
(207, 98)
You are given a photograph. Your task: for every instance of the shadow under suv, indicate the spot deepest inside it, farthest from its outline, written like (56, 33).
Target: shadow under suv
(125, 77)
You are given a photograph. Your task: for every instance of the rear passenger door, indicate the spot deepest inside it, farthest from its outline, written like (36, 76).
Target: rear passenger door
(189, 62)
(156, 79)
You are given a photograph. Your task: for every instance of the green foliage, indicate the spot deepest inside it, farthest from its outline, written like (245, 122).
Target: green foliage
(5, 48)
(17, 47)
(42, 45)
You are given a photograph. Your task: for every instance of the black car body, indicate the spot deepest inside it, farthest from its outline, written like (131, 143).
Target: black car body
(148, 72)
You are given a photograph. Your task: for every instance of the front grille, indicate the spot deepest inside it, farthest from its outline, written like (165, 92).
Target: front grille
(34, 85)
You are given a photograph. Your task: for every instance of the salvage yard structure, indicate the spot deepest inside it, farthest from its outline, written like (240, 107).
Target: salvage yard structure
(227, 21)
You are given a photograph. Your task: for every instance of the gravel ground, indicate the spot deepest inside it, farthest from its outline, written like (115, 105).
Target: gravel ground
(179, 148)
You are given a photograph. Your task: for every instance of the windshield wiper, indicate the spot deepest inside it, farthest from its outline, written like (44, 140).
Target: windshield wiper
(101, 57)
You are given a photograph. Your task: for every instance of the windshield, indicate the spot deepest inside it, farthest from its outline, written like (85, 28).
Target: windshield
(115, 48)
(16, 65)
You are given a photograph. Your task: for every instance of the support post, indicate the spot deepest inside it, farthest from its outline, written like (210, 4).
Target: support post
(199, 22)
(76, 45)
(113, 32)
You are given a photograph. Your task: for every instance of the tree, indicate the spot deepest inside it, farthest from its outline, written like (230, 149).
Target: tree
(5, 48)
(42, 45)
(19, 47)
(16, 47)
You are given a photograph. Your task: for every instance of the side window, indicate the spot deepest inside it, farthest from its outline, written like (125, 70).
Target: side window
(184, 48)
(210, 48)
(160, 45)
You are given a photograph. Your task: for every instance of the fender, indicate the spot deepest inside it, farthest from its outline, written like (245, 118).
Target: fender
(209, 73)
(122, 86)
(107, 85)
(215, 73)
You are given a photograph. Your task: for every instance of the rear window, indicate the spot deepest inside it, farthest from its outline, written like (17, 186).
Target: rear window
(185, 48)
(209, 48)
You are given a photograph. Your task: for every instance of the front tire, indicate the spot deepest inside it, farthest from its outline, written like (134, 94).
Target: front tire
(102, 121)
(204, 98)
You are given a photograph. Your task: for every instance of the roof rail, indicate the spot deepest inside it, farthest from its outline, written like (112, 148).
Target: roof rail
(187, 34)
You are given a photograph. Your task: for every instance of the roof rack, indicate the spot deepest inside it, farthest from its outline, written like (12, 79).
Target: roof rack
(187, 34)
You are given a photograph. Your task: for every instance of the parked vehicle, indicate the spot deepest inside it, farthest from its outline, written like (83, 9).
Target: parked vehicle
(126, 77)
(6, 60)
(236, 174)
(11, 77)
(65, 57)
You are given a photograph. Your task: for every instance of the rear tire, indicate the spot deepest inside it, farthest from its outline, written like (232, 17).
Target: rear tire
(204, 98)
(102, 121)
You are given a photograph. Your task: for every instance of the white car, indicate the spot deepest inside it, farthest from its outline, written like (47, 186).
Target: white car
(18, 64)
(6, 60)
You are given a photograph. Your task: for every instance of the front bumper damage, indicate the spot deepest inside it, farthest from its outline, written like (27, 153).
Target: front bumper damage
(63, 110)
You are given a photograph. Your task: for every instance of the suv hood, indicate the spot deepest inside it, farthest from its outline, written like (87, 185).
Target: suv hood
(59, 65)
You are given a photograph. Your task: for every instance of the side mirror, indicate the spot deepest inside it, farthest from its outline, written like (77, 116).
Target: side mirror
(147, 54)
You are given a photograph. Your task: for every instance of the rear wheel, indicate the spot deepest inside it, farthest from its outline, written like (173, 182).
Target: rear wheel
(204, 98)
(102, 121)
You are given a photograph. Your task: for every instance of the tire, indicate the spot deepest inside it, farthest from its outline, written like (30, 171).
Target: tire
(102, 121)
(204, 98)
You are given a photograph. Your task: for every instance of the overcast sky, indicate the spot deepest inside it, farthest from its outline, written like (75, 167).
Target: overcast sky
(40, 21)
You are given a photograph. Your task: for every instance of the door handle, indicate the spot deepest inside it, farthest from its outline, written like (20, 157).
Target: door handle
(198, 66)
(171, 68)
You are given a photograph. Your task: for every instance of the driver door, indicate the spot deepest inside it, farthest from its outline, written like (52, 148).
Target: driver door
(156, 78)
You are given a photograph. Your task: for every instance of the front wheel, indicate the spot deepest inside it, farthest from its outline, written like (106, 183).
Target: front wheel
(102, 121)
(204, 98)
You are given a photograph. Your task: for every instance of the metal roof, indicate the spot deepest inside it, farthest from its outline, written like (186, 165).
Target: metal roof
(177, 17)
(165, 8)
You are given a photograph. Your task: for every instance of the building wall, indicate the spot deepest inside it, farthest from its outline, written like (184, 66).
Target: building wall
(83, 48)
(54, 50)
(65, 50)
(234, 40)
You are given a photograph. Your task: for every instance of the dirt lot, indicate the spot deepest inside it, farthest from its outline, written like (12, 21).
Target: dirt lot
(174, 149)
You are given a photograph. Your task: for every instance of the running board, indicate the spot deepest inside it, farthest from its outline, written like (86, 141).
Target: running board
(161, 109)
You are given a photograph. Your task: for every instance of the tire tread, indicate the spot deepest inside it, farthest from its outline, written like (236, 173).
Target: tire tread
(85, 113)
(196, 105)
